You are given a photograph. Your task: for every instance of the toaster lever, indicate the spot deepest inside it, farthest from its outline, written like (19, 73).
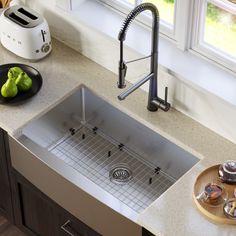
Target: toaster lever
(43, 35)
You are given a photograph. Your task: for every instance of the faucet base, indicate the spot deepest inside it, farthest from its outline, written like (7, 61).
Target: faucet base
(121, 86)
(152, 107)
(159, 103)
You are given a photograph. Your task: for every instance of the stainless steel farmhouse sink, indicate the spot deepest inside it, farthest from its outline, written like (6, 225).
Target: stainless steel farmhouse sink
(106, 153)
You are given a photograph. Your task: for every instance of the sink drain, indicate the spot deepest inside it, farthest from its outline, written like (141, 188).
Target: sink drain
(120, 174)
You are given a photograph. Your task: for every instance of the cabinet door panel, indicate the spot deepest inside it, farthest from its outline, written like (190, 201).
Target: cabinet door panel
(5, 190)
(36, 214)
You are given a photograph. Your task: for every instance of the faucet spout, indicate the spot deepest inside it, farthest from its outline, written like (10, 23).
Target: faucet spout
(135, 86)
(153, 96)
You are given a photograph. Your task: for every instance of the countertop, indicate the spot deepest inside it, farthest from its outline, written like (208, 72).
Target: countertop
(64, 70)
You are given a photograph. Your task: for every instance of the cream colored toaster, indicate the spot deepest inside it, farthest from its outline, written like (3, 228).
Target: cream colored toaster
(25, 33)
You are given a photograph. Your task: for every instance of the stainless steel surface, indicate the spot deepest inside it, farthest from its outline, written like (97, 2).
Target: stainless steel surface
(65, 140)
(120, 174)
(151, 146)
(89, 156)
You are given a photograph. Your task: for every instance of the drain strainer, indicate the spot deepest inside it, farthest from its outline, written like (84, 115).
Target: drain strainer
(120, 174)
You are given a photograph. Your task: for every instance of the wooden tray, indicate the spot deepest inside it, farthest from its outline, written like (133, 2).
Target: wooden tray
(214, 213)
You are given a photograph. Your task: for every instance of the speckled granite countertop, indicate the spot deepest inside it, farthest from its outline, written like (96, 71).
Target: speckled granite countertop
(174, 212)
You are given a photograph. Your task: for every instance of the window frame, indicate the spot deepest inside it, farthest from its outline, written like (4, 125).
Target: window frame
(197, 42)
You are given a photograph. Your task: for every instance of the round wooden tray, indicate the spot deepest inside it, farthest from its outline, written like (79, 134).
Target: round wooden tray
(214, 213)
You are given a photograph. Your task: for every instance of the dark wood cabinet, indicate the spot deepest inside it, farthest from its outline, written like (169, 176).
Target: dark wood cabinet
(146, 233)
(33, 214)
(36, 214)
(5, 189)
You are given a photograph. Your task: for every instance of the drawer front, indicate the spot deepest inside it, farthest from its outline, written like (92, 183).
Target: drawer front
(69, 226)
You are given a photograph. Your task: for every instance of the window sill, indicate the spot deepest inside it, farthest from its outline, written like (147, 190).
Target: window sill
(187, 66)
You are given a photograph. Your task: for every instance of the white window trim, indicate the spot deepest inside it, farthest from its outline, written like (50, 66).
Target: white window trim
(184, 11)
(64, 4)
(198, 44)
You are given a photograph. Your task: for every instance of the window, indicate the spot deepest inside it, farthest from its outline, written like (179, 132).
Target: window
(166, 9)
(215, 31)
(204, 27)
(220, 29)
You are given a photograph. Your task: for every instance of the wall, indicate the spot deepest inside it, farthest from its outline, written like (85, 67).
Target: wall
(202, 106)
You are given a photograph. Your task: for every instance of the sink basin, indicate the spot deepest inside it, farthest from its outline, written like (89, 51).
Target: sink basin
(124, 164)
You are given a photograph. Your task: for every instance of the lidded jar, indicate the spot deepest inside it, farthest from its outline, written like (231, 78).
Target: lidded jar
(227, 171)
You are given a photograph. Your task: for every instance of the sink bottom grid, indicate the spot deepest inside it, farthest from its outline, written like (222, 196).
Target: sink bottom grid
(95, 155)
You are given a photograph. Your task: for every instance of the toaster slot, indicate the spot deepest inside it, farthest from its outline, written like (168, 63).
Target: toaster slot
(18, 19)
(28, 14)
(23, 16)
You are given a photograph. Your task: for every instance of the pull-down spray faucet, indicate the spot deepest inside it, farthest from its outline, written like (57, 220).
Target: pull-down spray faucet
(154, 102)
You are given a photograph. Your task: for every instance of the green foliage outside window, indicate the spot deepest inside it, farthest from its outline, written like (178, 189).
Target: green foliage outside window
(220, 29)
(169, 1)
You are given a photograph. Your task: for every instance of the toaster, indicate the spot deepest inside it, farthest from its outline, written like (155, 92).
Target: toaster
(25, 33)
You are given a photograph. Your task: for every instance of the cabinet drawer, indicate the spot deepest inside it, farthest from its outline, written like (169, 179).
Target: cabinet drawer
(69, 226)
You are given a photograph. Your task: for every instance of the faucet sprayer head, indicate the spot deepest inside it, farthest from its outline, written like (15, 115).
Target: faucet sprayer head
(122, 74)
(122, 34)
(136, 11)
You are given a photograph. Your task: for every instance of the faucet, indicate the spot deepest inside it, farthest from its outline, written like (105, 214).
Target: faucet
(154, 102)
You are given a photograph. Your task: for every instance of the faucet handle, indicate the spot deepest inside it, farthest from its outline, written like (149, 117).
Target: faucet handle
(166, 95)
(164, 105)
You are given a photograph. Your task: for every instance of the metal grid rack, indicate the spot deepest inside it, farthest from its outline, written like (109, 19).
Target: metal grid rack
(93, 154)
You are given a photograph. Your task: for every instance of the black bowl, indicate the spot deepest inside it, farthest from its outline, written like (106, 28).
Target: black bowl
(36, 77)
